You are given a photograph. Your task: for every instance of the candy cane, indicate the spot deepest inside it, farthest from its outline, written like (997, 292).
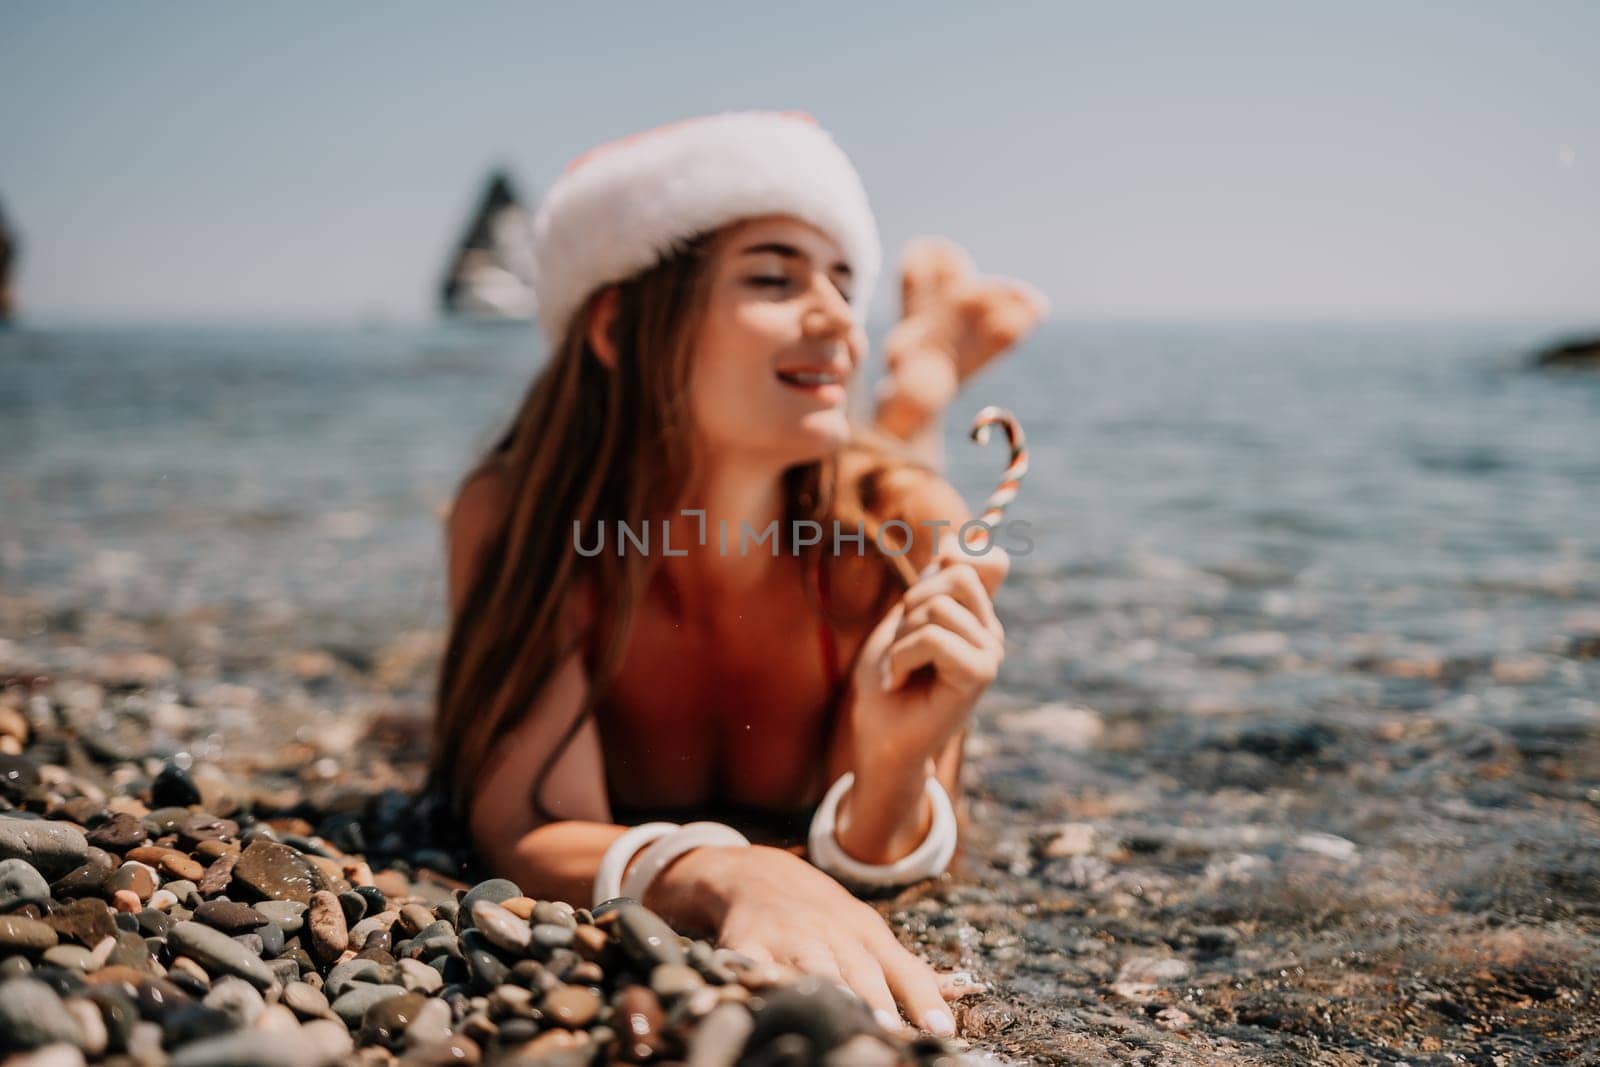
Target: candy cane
(1006, 491)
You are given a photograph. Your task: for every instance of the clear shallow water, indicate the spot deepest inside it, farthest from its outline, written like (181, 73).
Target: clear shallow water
(1357, 490)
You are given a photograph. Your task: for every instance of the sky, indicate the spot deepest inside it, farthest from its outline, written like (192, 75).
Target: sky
(1353, 160)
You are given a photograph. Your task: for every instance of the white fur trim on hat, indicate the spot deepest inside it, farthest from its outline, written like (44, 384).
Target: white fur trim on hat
(624, 206)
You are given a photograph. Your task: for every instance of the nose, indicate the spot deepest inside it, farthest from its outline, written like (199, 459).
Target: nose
(827, 313)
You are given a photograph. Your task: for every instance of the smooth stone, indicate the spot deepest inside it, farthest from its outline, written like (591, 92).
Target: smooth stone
(1154, 969)
(494, 890)
(162, 821)
(203, 826)
(18, 777)
(195, 1022)
(331, 1039)
(369, 927)
(189, 976)
(119, 833)
(554, 912)
(719, 1039)
(218, 877)
(345, 975)
(236, 997)
(248, 1049)
(277, 872)
(284, 970)
(304, 1001)
(21, 883)
(551, 936)
(173, 788)
(89, 880)
(272, 941)
(353, 1006)
(219, 953)
(571, 1006)
(354, 906)
(430, 1025)
(72, 957)
(229, 917)
(672, 980)
(173, 862)
(511, 1000)
(187, 892)
(376, 901)
(86, 1013)
(325, 920)
(501, 927)
(286, 915)
(32, 1015)
(131, 951)
(418, 976)
(816, 1009)
(85, 921)
(863, 1050)
(414, 918)
(18, 933)
(646, 937)
(51, 848)
(134, 877)
(386, 1021)
(639, 1024)
(153, 923)
(486, 968)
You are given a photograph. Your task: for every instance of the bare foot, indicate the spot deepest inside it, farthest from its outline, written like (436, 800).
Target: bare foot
(953, 324)
(946, 307)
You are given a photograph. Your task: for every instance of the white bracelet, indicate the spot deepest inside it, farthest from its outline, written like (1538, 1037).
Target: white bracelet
(927, 860)
(608, 880)
(654, 859)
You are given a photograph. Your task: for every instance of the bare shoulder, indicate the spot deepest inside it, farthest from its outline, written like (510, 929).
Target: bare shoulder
(476, 518)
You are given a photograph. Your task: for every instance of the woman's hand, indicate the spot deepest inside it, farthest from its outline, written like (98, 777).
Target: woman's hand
(778, 908)
(923, 667)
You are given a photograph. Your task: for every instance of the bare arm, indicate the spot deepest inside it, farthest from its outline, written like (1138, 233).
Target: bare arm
(550, 860)
(886, 814)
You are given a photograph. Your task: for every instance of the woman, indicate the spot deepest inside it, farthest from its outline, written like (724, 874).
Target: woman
(696, 285)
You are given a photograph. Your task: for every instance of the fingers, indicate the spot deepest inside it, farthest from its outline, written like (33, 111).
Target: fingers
(944, 610)
(813, 957)
(961, 582)
(959, 663)
(864, 975)
(915, 985)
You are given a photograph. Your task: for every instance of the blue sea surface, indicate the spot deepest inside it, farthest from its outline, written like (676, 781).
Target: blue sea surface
(1222, 515)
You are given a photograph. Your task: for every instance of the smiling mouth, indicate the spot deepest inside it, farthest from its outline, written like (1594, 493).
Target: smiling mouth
(809, 379)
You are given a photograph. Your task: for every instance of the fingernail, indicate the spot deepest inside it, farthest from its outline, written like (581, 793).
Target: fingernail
(887, 1019)
(940, 1023)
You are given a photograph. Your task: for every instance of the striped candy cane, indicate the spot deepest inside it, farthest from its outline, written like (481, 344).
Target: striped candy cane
(1006, 491)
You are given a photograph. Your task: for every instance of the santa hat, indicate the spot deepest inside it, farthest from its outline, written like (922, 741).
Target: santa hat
(626, 205)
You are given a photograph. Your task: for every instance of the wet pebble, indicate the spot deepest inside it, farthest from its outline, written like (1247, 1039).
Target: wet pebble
(219, 953)
(32, 1015)
(21, 883)
(51, 848)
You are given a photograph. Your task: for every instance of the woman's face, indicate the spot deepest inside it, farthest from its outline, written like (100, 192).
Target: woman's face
(778, 345)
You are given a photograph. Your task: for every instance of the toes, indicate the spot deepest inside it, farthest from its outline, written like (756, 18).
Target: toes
(931, 267)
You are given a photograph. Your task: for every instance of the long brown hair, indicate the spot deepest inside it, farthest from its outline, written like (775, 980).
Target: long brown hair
(594, 446)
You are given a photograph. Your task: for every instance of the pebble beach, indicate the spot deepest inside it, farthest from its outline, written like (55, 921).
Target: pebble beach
(1295, 757)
